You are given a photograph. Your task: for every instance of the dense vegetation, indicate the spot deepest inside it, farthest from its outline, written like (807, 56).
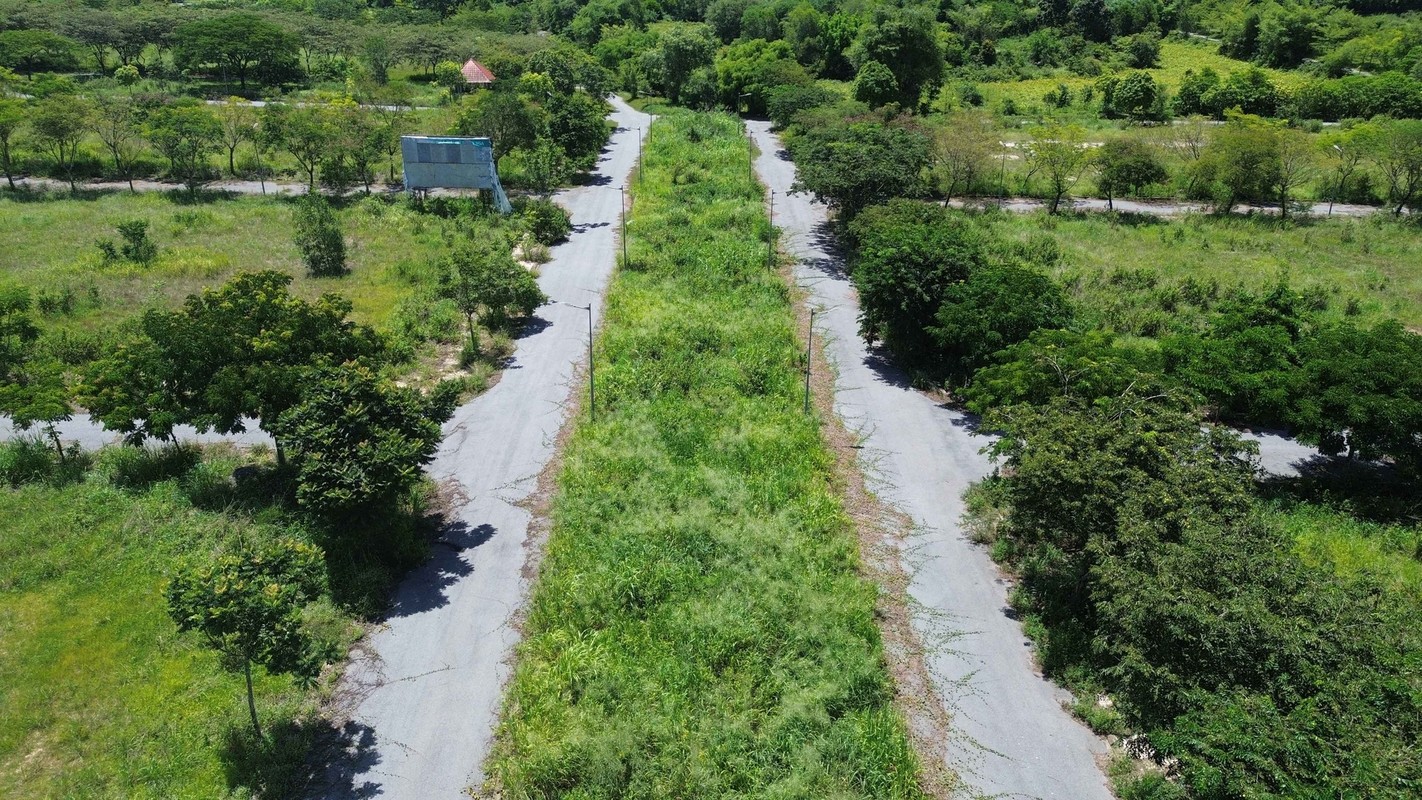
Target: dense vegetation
(698, 628)
(1150, 572)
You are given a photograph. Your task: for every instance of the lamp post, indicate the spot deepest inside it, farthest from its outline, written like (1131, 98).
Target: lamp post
(770, 239)
(639, 154)
(592, 373)
(809, 357)
(622, 215)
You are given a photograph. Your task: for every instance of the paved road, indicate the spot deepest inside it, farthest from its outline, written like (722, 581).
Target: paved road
(428, 697)
(1013, 737)
(89, 435)
(1159, 208)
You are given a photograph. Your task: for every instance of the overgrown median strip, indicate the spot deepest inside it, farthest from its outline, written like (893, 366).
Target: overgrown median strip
(699, 628)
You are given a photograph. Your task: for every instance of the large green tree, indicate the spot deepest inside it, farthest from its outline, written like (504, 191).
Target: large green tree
(188, 134)
(852, 166)
(230, 355)
(239, 46)
(487, 285)
(907, 43)
(60, 123)
(357, 440)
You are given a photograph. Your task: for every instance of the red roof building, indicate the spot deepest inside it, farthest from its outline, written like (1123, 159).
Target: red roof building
(476, 74)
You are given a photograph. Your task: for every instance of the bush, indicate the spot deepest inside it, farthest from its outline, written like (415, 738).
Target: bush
(137, 247)
(319, 237)
(547, 221)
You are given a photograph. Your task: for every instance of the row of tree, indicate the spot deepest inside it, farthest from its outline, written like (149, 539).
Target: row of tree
(951, 300)
(852, 159)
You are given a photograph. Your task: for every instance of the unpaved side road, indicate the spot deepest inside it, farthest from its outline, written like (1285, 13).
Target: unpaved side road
(426, 692)
(1011, 735)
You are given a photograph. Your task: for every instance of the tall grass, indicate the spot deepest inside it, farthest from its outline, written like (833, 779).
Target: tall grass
(698, 628)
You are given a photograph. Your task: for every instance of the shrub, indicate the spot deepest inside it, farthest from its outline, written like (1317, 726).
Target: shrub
(547, 221)
(137, 247)
(319, 237)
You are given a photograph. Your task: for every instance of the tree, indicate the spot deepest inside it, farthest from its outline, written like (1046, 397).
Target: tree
(487, 285)
(964, 147)
(802, 28)
(231, 354)
(13, 113)
(1297, 164)
(875, 85)
(319, 237)
(850, 167)
(507, 118)
(724, 17)
(908, 256)
(1362, 392)
(32, 386)
(306, 132)
(680, 51)
(996, 307)
(1136, 96)
(1345, 151)
(31, 51)
(1089, 368)
(238, 121)
(60, 123)
(392, 122)
(1091, 18)
(1395, 148)
(1241, 161)
(1126, 164)
(747, 71)
(188, 135)
(1059, 154)
(116, 122)
(378, 52)
(907, 43)
(247, 605)
(240, 45)
(578, 124)
(358, 441)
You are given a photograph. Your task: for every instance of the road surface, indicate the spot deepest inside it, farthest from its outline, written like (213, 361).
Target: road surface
(1012, 736)
(428, 696)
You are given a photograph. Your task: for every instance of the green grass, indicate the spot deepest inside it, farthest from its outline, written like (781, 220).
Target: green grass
(48, 245)
(698, 627)
(1389, 554)
(1371, 261)
(102, 697)
(1176, 57)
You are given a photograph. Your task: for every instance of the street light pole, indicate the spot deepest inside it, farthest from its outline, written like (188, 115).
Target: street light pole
(809, 355)
(622, 215)
(592, 370)
(639, 155)
(770, 241)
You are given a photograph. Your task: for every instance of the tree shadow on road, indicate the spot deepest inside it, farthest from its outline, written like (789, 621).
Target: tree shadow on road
(1369, 490)
(424, 588)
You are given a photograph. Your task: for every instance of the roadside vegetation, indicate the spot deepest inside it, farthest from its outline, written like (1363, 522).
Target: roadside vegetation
(104, 695)
(698, 627)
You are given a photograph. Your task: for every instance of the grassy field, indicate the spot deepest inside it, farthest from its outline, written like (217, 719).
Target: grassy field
(49, 245)
(102, 697)
(1176, 57)
(1390, 554)
(698, 627)
(1108, 263)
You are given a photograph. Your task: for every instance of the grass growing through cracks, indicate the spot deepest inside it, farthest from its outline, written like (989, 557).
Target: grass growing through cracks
(698, 628)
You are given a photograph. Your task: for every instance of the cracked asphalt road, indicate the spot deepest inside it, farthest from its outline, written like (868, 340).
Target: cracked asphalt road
(429, 691)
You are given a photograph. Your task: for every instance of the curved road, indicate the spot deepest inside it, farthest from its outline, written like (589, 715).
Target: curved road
(1013, 737)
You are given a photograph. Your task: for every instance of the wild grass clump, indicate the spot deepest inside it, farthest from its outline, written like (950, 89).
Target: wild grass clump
(698, 628)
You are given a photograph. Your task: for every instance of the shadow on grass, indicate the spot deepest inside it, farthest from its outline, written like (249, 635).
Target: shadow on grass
(298, 759)
(1368, 490)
